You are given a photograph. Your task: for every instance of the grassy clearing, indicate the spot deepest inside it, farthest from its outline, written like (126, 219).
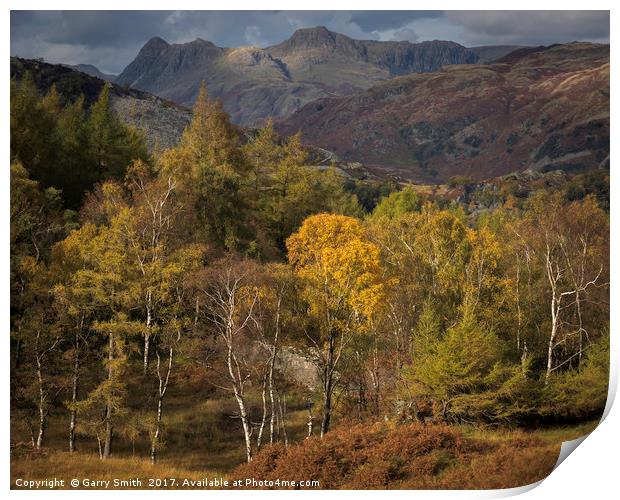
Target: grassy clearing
(202, 440)
(66, 466)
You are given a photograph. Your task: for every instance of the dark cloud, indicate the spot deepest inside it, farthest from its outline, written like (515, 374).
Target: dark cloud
(371, 20)
(530, 27)
(110, 39)
(95, 29)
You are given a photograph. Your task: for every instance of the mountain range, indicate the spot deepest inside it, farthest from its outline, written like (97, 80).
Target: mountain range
(91, 70)
(542, 109)
(254, 83)
(400, 109)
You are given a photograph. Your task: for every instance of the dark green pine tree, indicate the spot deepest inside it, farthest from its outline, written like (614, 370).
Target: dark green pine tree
(76, 173)
(112, 144)
(33, 137)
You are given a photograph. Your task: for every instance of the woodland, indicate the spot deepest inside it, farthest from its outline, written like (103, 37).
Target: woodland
(225, 295)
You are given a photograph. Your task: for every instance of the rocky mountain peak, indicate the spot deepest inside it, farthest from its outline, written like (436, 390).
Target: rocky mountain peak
(312, 35)
(202, 42)
(309, 38)
(155, 45)
(312, 63)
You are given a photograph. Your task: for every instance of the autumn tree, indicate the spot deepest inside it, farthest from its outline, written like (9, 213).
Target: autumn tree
(287, 188)
(567, 247)
(42, 341)
(341, 273)
(212, 171)
(425, 255)
(398, 203)
(271, 321)
(105, 278)
(76, 312)
(37, 221)
(153, 232)
(174, 319)
(149, 223)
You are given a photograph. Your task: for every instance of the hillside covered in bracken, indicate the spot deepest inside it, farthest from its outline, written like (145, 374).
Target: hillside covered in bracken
(409, 456)
(541, 109)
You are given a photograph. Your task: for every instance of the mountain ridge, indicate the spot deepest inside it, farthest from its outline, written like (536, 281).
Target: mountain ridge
(255, 83)
(539, 108)
(92, 70)
(490, 53)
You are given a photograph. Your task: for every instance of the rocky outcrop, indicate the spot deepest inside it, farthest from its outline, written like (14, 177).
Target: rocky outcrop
(143, 61)
(161, 121)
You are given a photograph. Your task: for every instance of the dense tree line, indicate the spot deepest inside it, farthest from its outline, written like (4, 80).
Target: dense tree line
(229, 252)
(66, 146)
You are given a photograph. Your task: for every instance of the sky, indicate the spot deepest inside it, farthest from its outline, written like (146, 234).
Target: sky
(111, 39)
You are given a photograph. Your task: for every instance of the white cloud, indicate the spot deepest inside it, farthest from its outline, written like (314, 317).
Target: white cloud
(254, 36)
(405, 34)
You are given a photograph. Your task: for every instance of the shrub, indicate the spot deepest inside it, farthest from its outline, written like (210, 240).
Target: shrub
(415, 456)
(582, 393)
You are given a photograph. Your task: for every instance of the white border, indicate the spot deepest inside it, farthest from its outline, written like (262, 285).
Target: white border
(591, 472)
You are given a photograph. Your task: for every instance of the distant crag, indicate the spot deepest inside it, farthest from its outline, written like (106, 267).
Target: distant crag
(254, 83)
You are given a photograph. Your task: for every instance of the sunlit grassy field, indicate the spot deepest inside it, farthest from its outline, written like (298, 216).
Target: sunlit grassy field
(202, 439)
(204, 443)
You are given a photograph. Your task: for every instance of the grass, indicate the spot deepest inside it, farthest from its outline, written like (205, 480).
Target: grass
(66, 466)
(202, 440)
(552, 435)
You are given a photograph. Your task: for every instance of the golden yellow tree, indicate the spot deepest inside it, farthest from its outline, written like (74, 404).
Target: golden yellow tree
(340, 273)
